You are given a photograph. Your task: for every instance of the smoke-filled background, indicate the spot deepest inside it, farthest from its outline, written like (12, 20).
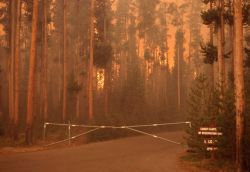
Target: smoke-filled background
(146, 54)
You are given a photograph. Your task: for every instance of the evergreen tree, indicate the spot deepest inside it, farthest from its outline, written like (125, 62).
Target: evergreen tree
(199, 112)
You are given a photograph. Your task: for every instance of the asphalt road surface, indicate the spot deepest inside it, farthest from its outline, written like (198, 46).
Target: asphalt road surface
(134, 154)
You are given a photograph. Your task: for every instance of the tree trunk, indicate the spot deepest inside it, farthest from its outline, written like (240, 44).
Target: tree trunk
(44, 64)
(31, 79)
(178, 80)
(1, 109)
(107, 68)
(77, 73)
(16, 69)
(60, 79)
(220, 45)
(106, 90)
(211, 67)
(231, 32)
(91, 59)
(239, 82)
(64, 61)
(11, 66)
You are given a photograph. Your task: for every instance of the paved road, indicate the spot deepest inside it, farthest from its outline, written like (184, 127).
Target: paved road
(135, 154)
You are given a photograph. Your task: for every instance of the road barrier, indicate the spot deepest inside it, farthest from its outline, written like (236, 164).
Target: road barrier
(93, 128)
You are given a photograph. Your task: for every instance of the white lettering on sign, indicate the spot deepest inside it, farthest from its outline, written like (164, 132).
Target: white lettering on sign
(212, 148)
(208, 129)
(210, 133)
(210, 141)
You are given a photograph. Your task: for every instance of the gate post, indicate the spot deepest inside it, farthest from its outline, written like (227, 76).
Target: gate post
(44, 131)
(69, 132)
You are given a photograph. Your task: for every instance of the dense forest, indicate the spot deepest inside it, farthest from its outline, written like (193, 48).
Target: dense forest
(126, 62)
(107, 61)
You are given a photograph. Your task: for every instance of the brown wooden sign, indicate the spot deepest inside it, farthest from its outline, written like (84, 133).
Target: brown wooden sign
(210, 134)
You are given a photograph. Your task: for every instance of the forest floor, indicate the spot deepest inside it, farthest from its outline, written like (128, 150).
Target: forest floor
(133, 154)
(195, 163)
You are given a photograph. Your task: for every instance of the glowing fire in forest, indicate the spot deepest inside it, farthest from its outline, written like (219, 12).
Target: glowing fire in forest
(100, 77)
